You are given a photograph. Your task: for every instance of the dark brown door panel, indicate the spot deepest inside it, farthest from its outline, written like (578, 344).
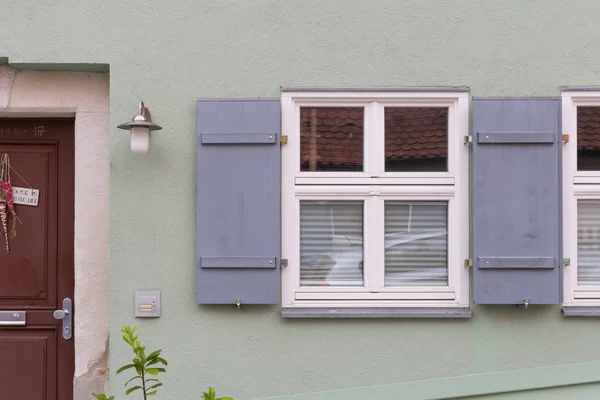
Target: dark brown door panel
(36, 362)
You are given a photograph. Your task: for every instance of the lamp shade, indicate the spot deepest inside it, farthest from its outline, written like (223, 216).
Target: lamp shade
(140, 128)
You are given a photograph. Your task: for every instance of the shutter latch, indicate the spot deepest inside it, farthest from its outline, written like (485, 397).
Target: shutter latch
(283, 139)
(565, 138)
(468, 139)
(284, 262)
(566, 262)
(468, 263)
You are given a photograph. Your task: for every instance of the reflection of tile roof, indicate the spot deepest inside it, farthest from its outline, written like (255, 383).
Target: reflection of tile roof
(588, 128)
(411, 133)
(339, 135)
(416, 133)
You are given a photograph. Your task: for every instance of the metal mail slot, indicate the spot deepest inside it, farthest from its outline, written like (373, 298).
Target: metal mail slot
(12, 318)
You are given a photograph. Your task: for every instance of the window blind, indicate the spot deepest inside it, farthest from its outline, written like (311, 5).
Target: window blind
(416, 249)
(331, 243)
(588, 242)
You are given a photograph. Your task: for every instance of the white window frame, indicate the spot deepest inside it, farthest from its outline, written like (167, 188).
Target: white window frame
(375, 186)
(577, 185)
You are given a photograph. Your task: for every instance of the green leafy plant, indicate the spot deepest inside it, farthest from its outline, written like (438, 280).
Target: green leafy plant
(146, 367)
(211, 395)
(102, 396)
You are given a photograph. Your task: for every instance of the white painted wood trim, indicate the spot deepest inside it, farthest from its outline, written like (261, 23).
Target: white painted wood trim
(576, 185)
(421, 303)
(377, 312)
(590, 302)
(459, 277)
(374, 296)
(586, 174)
(423, 180)
(401, 97)
(374, 186)
(582, 294)
(290, 165)
(586, 180)
(389, 289)
(392, 192)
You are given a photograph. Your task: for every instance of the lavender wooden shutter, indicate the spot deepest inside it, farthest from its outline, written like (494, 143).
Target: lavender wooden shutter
(238, 202)
(517, 201)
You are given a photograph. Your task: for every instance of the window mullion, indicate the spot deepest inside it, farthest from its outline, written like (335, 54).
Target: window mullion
(373, 135)
(374, 238)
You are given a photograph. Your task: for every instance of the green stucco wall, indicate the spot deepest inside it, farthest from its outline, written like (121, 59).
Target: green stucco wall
(169, 53)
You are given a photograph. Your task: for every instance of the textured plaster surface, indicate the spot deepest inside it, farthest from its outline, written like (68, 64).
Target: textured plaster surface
(168, 54)
(7, 78)
(86, 97)
(575, 392)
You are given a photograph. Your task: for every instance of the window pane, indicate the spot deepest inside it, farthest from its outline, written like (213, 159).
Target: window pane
(331, 243)
(331, 139)
(588, 242)
(588, 138)
(416, 246)
(416, 139)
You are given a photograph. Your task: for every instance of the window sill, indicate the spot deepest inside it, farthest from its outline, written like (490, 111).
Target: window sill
(416, 312)
(581, 311)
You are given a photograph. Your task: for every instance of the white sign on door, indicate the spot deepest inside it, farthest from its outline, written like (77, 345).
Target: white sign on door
(25, 196)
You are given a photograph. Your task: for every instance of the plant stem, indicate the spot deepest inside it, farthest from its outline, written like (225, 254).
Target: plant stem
(144, 385)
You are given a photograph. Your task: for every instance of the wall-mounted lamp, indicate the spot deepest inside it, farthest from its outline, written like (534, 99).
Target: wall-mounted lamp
(140, 128)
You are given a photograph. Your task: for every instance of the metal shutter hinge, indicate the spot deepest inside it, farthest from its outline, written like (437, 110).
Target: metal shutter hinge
(468, 139)
(565, 138)
(283, 139)
(284, 262)
(566, 262)
(468, 263)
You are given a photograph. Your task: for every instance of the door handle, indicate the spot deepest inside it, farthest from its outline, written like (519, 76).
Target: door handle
(67, 318)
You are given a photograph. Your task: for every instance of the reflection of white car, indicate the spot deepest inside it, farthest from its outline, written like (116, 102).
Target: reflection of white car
(587, 268)
(345, 267)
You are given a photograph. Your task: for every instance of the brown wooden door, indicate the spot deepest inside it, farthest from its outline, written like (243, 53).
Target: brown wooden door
(36, 362)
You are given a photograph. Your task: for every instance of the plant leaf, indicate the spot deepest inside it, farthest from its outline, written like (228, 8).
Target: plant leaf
(132, 389)
(154, 386)
(225, 398)
(154, 354)
(152, 371)
(126, 340)
(151, 393)
(135, 377)
(152, 362)
(162, 360)
(210, 395)
(125, 367)
(102, 396)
